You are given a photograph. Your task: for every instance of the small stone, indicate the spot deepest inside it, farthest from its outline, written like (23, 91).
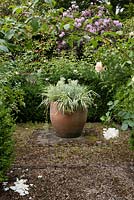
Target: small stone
(98, 143)
(40, 176)
(6, 189)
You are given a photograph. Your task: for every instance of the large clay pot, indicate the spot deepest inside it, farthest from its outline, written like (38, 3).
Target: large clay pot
(67, 125)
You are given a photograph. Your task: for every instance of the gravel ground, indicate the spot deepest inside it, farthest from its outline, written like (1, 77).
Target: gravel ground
(84, 168)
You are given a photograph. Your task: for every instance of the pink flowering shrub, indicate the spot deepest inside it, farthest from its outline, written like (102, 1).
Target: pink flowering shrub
(75, 24)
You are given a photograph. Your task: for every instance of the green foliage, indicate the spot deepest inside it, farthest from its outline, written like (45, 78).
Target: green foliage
(125, 95)
(70, 96)
(118, 62)
(32, 87)
(127, 119)
(122, 108)
(6, 142)
(131, 140)
(119, 3)
(67, 3)
(37, 43)
(11, 91)
(108, 117)
(128, 11)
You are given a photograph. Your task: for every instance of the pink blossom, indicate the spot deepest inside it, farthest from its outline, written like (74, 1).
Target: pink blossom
(117, 23)
(88, 26)
(92, 30)
(77, 25)
(99, 67)
(65, 14)
(62, 34)
(86, 13)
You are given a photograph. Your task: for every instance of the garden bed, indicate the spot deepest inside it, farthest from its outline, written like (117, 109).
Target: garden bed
(84, 168)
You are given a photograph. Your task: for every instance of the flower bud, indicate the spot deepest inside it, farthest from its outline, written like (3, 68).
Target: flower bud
(99, 67)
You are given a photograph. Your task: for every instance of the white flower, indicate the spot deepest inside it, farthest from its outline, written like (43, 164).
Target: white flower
(131, 34)
(99, 67)
(110, 133)
(21, 187)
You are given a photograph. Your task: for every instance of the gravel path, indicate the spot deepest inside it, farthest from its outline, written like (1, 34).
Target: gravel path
(85, 168)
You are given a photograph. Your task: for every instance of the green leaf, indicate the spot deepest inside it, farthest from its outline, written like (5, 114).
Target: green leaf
(131, 123)
(129, 62)
(94, 42)
(2, 41)
(10, 34)
(119, 32)
(51, 2)
(108, 114)
(35, 1)
(3, 48)
(110, 103)
(103, 118)
(124, 126)
(18, 9)
(66, 27)
(126, 116)
(35, 24)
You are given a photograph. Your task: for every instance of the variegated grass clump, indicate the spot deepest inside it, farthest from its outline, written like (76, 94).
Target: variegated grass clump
(70, 96)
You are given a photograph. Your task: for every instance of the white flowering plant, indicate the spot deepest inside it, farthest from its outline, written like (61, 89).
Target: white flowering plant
(110, 133)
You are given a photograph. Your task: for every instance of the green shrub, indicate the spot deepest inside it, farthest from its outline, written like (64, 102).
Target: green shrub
(84, 72)
(6, 142)
(124, 109)
(32, 87)
(121, 109)
(125, 96)
(21, 88)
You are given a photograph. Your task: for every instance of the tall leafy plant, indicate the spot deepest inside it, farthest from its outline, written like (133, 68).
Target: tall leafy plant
(6, 141)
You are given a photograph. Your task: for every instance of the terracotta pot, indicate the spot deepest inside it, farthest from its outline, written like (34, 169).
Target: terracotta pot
(67, 125)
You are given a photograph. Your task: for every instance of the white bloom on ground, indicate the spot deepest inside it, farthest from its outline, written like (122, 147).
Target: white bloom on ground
(99, 67)
(110, 133)
(21, 187)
